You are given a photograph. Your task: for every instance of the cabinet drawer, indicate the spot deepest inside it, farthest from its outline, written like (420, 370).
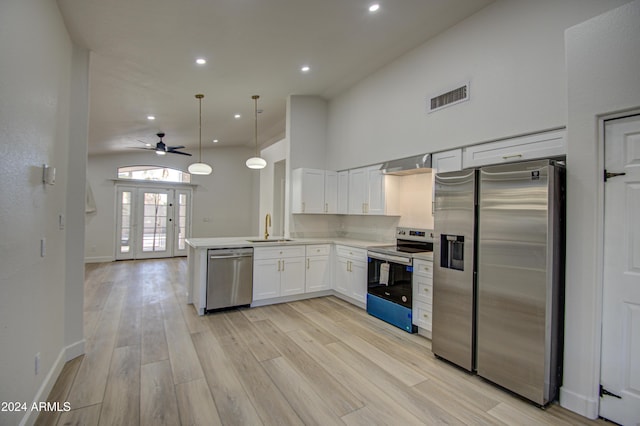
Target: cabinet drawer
(541, 145)
(278, 252)
(423, 292)
(423, 267)
(351, 252)
(422, 315)
(318, 250)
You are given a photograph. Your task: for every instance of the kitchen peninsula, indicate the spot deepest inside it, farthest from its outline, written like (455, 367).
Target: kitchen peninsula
(303, 248)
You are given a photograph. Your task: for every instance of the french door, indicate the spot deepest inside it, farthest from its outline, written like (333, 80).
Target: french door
(152, 222)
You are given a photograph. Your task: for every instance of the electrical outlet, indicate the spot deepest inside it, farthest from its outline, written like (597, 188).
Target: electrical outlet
(37, 363)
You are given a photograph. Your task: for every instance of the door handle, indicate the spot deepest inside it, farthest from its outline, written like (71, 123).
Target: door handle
(609, 175)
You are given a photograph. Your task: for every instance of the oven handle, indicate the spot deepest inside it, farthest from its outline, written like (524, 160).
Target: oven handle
(390, 258)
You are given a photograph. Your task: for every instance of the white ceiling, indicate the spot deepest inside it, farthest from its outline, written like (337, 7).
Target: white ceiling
(144, 51)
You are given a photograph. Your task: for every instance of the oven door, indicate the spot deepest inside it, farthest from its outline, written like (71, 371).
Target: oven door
(389, 277)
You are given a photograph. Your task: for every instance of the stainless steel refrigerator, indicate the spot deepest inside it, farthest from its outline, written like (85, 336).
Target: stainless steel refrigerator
(498, 274)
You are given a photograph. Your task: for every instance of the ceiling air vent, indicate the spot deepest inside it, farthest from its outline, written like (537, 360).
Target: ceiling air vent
(452, 97)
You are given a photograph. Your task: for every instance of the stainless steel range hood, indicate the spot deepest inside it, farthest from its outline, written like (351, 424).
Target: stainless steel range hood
(408, 166)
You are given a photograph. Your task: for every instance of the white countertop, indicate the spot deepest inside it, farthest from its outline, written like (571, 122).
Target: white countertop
(231, 242)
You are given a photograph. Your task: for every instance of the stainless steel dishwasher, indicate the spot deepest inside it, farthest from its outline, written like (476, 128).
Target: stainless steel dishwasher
(229, 277)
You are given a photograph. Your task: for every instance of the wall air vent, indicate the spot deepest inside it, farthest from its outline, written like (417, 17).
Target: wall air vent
(451, 97)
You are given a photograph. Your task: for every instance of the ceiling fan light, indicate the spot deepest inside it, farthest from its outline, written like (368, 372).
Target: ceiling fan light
(200, 169)
(158, 152)
(256, 163)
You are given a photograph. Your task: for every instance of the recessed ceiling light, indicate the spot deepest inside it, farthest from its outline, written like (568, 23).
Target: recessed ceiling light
(215, 141)
(237, 116)
(201, 61)
(305, 68)
(374, 7)
(151, 117)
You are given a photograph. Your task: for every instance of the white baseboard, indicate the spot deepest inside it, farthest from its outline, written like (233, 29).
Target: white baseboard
(74, 350)
(99, 259)
(579, 404)
(66, 354)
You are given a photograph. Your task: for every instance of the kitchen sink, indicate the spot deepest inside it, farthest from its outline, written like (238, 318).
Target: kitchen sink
(277, 240)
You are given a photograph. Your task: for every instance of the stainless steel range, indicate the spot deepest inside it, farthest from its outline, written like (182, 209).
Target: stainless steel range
(389, 276)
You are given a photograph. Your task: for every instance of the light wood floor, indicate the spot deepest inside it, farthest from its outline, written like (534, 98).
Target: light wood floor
(151, 360)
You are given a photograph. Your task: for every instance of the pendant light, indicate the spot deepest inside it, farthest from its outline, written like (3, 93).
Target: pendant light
(256, 162)
(200, 168)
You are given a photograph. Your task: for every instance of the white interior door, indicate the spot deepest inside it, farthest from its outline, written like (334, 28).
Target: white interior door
(152, 222)
(620, 370)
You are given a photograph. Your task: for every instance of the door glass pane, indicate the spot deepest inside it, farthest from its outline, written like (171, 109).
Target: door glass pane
(125, 221)
(182, 221)
(154, 236)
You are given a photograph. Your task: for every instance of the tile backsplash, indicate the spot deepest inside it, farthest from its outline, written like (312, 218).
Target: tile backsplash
(360, 227)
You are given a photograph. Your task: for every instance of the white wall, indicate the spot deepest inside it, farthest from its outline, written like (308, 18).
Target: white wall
(512, 52)
(225, 203)
(38, 125)
(603, 70)
(306, 129)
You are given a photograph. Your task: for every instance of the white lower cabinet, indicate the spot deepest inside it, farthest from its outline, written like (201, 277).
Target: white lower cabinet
(351, 273)
(422, 295)
(278, 271)
(318, 268)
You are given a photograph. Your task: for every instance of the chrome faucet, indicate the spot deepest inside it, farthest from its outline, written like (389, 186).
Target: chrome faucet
(267, 224)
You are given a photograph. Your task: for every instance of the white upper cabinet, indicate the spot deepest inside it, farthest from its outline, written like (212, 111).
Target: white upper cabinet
(357, 190)
(314, 191)
(343, 192)
(330, 192)
(375, 202)
(447, 161)
(540, 145)
(366, 191)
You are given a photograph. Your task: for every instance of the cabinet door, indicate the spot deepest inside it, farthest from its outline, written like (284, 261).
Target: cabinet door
(292, 276)
(540, 145)
(313, 191)
(317, 274)
(447, 161)
(307, 191)
(358, 281)
(357, 190)
(330, 192)
(343, 192)
(266, 278)
(375, 202)
(342, 276)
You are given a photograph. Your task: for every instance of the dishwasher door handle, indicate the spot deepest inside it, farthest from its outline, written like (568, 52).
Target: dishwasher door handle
(227, 256)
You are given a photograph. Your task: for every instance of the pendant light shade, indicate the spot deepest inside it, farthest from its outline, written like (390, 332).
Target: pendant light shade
(256, 162)
(200, 168)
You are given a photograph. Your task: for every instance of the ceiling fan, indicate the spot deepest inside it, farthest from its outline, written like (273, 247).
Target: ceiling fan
(162, 149)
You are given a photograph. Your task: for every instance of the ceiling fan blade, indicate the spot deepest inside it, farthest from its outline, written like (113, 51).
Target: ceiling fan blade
(178, 152)
(175, 147)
